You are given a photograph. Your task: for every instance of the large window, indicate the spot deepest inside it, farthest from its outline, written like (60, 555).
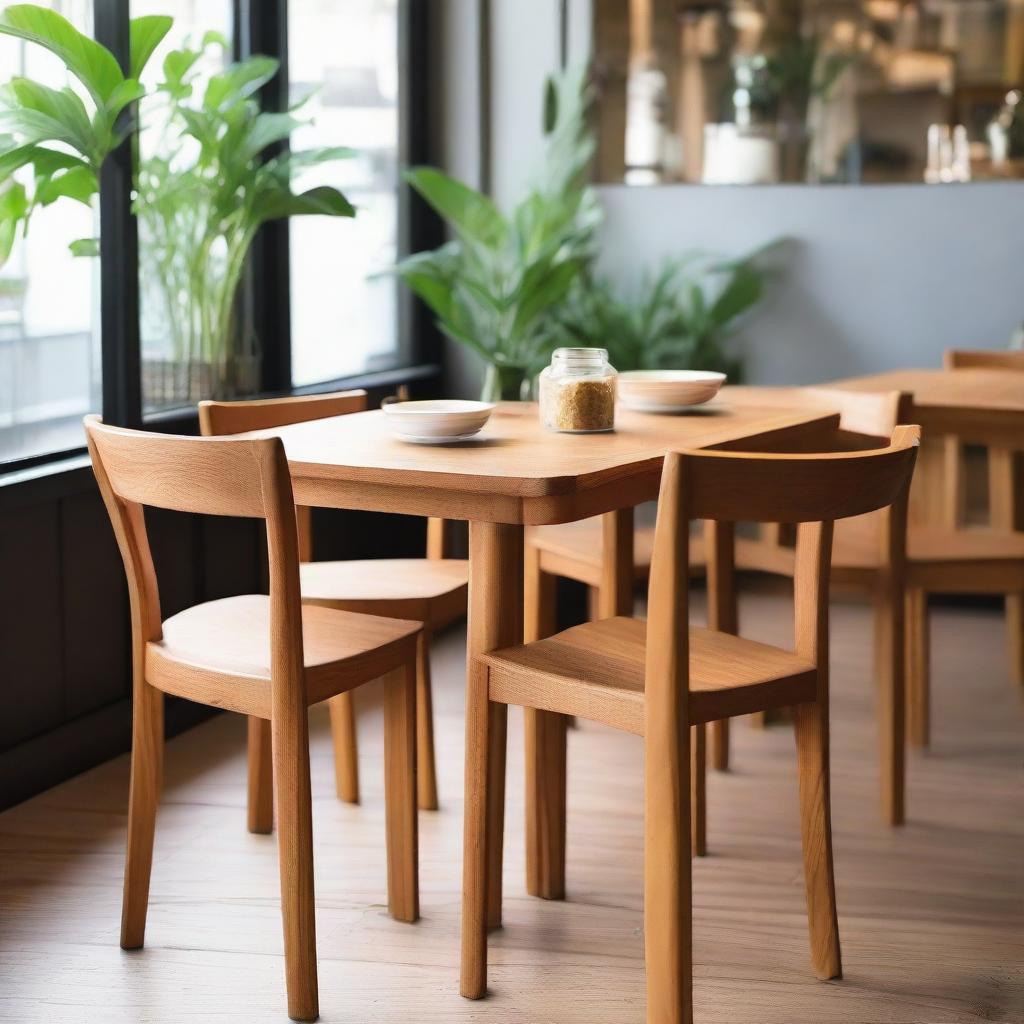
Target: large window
(343, 61)
(315, 304)
(49, 299)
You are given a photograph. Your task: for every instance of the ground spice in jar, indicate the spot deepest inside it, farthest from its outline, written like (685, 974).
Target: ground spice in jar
(580, 405)
(577, 391)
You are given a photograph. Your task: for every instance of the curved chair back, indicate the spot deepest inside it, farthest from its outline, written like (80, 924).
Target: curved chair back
(810, 490)
(265, 414)
(210, 476)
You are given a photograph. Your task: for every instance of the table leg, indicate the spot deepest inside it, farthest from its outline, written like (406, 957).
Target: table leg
(1006, 512)
(545, 731)
(495, 621)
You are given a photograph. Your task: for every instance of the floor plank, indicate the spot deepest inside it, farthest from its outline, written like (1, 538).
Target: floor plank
(931, 916)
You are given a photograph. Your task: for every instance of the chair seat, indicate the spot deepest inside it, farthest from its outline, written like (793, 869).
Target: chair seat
(219, 652)
(596, 671)
(431, 591)
(957, 561)
(576, 550)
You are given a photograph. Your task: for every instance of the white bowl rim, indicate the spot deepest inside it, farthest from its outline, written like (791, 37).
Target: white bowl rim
(439, 407)
(673, 376)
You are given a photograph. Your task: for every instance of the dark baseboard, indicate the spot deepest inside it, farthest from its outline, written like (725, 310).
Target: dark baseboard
(75, 747)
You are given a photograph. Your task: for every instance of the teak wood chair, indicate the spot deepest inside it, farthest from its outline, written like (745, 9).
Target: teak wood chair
(431, 591)
(941, 558)
(266, 657)
(659, 678)
(1005, 487)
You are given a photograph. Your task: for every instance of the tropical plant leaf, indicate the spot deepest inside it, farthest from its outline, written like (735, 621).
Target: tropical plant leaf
(78, 183)
(129, 91)
(85, 247)
(239, 81)
(146, 33)
(743, 290)
(469, 212)
(35, 108)
(92, 64)
(321, 200)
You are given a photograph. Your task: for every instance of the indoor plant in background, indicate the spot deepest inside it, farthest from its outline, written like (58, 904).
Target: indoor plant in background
(201, 195)
(494, 286)
(54, 133)
(204, 190)
(679, 319)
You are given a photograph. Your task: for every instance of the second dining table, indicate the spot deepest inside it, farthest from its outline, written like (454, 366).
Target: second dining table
(518, 473)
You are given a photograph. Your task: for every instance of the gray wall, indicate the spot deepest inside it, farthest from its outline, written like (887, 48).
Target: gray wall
(870, 278)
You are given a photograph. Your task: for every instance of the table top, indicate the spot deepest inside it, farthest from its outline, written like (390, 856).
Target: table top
(976, 405)
(517, 471)
(967, 388)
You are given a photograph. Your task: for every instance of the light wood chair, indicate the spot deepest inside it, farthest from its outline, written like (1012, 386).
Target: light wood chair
(431, 591)
(265, 657)
(941, 558)
(1005, 487)
(659, 678)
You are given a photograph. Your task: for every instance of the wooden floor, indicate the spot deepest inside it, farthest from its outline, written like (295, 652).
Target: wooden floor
(930, 915)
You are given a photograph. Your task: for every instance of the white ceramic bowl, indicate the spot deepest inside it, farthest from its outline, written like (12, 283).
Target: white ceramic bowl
(438, 421)
(667, 390)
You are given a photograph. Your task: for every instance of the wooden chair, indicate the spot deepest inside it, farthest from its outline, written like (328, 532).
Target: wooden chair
(1005, 487)
(266, 657)
(431, 591)
(940, 558)
(660, 678)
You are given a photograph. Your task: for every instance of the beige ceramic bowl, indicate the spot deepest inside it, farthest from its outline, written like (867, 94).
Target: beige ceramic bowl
(667, 390)
(438, 421)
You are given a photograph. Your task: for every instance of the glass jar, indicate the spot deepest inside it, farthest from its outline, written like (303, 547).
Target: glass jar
(577, 391)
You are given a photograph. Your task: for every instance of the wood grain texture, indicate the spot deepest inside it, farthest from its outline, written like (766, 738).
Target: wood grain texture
(930, 926)
(431, 591)
(265, 656)
(660, 677)
(517, 472)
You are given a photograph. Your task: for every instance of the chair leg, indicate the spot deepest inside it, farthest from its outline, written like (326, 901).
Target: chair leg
(261, 776)
(816, 827)
(1015, 636)
(346, 746)
(400, 792)
(890, 646)
(698, 791)
(545, 803)
(720, 745)
(668, 909)
(918, 669)
(290, 739)
(426, 769)
(476, 837)
(144, 795)
(545, 751)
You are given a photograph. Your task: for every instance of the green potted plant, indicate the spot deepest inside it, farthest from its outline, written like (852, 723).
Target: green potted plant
(680, 319)
(202, 193)
(493, 287)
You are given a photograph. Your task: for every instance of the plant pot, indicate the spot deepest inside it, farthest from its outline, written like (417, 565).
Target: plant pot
(504, 383)
(169, 383)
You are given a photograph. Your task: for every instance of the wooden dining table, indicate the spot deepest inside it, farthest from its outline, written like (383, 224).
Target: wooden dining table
(517, 473)
(968, 405)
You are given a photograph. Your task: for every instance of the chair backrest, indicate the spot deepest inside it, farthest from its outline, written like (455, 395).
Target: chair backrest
(811, 490)
(265, 414)
(221, 477)
(984, 359)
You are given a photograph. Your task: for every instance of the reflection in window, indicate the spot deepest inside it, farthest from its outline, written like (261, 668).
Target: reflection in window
(49, 299)
(178, 366)
(763, 91)
(344, 58)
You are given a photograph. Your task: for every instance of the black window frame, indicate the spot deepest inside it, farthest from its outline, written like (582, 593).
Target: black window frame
(260, 26)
